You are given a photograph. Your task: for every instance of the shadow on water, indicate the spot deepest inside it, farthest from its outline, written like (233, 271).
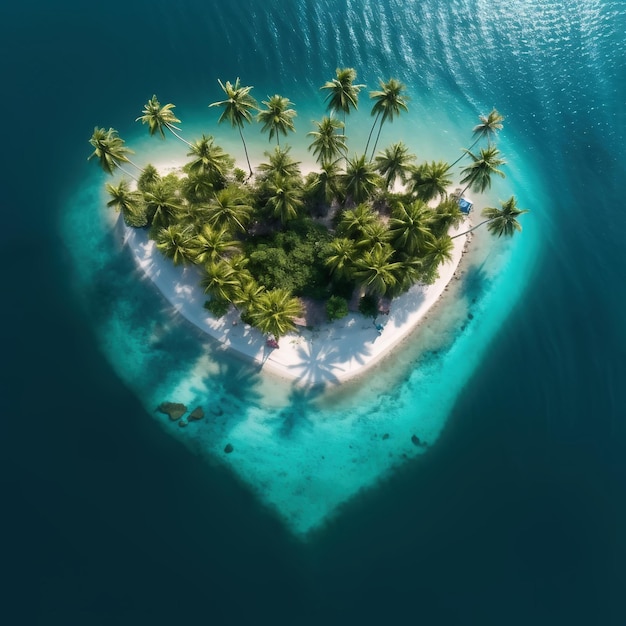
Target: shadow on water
(475, 283)
(299, 414)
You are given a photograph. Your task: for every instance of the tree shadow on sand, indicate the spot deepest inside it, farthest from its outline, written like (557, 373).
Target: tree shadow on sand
(323, 362)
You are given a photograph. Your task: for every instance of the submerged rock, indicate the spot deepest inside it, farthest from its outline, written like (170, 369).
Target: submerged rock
(418, 442)
(183, 422)
(217, 410)
(196, 414)
(175, 410)
(229, 448)
(386, 436)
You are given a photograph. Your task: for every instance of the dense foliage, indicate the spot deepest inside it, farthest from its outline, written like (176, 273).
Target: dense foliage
(266, 239)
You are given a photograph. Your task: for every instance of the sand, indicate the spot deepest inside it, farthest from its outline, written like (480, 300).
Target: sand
(328, 354)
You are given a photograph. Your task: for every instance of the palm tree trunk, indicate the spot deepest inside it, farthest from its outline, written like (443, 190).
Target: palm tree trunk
(376, 142)
(367, 145)
(245, 148)
(171, 129)
(473, 228)
(466, 150)
(128, 173)
(136, 166)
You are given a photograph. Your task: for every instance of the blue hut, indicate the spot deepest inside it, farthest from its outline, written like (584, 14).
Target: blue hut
(465, 205)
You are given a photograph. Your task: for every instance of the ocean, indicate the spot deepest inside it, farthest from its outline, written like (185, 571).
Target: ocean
(514, 513)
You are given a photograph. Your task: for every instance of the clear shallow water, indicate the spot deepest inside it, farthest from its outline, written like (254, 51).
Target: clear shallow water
(303, 453)
(518, 509)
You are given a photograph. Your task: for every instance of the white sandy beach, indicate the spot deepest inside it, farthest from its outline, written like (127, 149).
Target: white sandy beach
(328, 354)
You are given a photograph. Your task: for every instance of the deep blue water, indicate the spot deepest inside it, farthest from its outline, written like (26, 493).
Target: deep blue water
(517, 516)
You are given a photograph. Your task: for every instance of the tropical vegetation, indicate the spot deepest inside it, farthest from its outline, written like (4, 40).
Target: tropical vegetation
(361, 228)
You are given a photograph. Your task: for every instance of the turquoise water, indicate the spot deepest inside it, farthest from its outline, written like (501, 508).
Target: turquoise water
(292, 445)
(512, 514)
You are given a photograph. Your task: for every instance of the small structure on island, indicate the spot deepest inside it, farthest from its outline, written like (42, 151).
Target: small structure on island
(465, 205)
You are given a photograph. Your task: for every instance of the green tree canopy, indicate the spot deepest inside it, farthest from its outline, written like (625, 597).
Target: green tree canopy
(430, 180)
(389, 102)
(285, 198)
(174, 243)
(109, 149)
(274, 312)
(209, 159)
(478, 173)
(343, 94)
(211, 244)
(230, 208)
(238, 108)
(158, 117)
(360, 179)
(409, 226)
(327, 143)
(130, 203)
(280, 163)
(277, 117)
(394, 163)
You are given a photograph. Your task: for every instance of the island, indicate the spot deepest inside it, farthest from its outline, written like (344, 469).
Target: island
(315, 272)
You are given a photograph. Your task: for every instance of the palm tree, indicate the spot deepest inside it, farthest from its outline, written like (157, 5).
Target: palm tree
(211, 243)
(325, 184)
(209, 159)
(342, 253)
(158, 117)
(220, 280)
(501, 221)
(174, 243)
(327, 144)
(389, 102)
(110, 151)
(376, 271)
(280, 163)
(488, 127)
(130, 203)
(274, 312)
(375, 235)
(230, 208)
(429, 180)
(247, 292)
(478, 173)
(238, 108)
(197, 188)
(148, 178)
(354, 222)
(360, 179)
(409, 226)
(343, 94)
(445, 215)
(438, 251)
(394, 163)
(162, 206)
(285, 198)
(277, 117)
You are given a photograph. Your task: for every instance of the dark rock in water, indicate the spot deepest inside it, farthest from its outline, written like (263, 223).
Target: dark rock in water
(386, 436)
(175, 410)
(217, 410)
(229, 448)
(418, 442)
(470, 316)
(196, 414)
(183, 422)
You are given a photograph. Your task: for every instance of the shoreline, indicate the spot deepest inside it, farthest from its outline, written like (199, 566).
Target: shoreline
(330, 354)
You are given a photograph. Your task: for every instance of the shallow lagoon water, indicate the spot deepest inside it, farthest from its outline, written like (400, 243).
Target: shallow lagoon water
(303, 452)
(515, 515)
